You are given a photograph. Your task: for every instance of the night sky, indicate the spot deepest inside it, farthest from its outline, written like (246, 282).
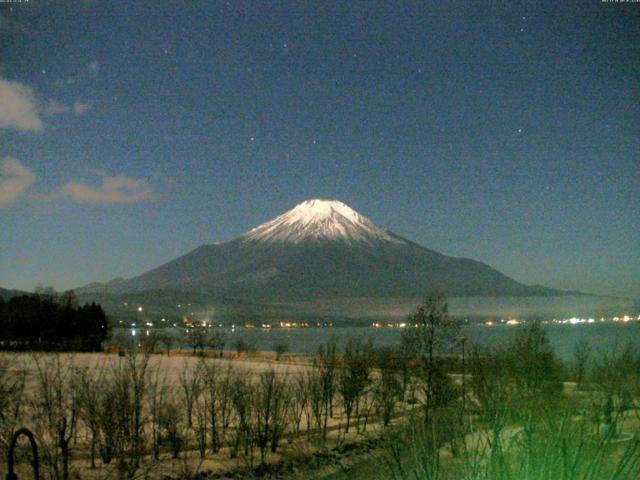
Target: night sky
(132, 132)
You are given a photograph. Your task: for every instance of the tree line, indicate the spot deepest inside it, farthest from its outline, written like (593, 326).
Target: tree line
(48, 321)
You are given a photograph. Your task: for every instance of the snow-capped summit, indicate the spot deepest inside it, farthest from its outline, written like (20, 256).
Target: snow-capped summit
(320, 249)
(320, 220)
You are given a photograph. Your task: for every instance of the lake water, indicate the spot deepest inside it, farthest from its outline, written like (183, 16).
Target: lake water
(604, 337)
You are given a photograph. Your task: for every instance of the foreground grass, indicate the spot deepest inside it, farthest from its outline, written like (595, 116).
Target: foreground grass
(62, 394)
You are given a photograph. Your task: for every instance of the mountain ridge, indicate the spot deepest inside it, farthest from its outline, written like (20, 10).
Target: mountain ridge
(320, 249)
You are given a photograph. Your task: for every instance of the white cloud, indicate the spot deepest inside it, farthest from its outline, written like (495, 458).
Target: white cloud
(15, 180)
(81, 107)
(18, 107)
(116, 189)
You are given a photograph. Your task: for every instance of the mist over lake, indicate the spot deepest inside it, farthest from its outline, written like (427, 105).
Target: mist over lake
(604, 337)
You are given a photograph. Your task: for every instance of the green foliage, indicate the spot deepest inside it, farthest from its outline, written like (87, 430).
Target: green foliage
(581, 356)
(532, 363)
(523, 427)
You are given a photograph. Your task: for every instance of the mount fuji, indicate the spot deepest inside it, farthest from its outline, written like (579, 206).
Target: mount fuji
(320, 249)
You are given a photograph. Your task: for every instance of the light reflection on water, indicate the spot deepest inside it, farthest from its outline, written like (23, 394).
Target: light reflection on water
(606, 337)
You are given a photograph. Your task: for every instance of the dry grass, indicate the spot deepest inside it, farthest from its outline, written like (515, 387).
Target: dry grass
(295, 449)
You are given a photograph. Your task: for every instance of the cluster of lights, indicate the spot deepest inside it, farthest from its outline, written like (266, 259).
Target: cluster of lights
(565, 321)
(294, 325)
(576, 320)
(391, 325)
(489, 323)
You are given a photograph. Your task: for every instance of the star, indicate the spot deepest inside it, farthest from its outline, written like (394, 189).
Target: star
(519, 130)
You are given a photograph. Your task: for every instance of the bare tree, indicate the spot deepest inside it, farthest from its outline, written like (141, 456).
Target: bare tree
(212, 385)
(197, 338)
(166, 339)
(156, 390)
(280, 350)
(353, 377)
(55, 406)
(88, 384)
(216, 341)
(327, 355)
(432, 332)
(12, 389)
(270, 403)
(190, 379)
(127, 391)
(149, 342)
(170, 422)
(201, 424)
(316, 395)
(388, 386)
(108, 439)
(243, 346)
(242, 401)
(299, 401)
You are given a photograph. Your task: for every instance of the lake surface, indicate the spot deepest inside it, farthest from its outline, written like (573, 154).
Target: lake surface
(604, 337)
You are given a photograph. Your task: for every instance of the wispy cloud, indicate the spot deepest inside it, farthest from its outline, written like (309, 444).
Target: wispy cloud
(81, 107)
(85, 73)
(18, 107)
(57, 108)
(112, 190)
(15, 180)
(93, 67)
